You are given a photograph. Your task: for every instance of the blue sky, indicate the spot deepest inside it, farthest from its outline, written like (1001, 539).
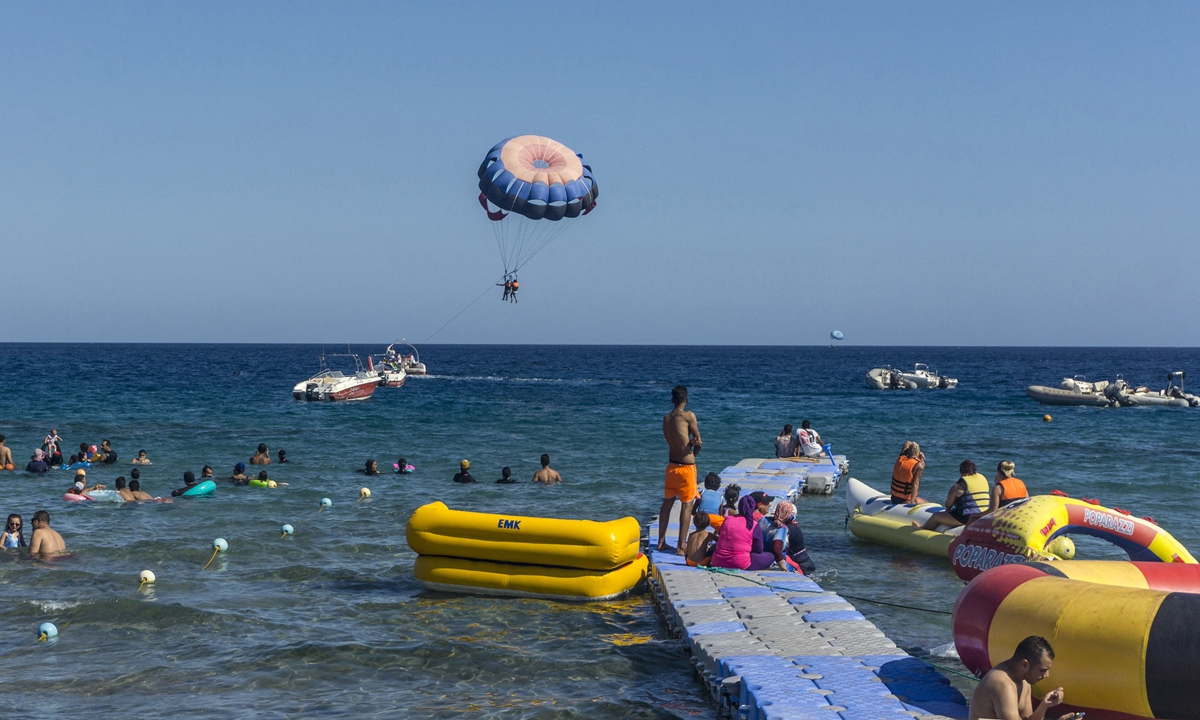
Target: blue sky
(908, 173)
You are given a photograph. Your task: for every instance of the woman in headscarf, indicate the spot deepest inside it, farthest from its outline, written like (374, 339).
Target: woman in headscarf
(740, 544)
(785, 539)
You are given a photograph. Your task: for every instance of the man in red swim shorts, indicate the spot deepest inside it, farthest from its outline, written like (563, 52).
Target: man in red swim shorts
(683, 439)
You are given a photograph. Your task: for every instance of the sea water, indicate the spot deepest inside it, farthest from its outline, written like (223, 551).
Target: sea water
(330, 622)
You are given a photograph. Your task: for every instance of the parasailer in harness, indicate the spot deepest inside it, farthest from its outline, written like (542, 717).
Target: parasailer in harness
(532, 188)
(968, 498)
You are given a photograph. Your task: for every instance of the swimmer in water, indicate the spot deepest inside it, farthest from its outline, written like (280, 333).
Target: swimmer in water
(506, 477)
(12, 537)
(239, 475)
(262, 477)
(126, 493)
(135, 487)
(371, 469)
(80, 487)
(189, 482)
(206, 472)
(141, 459)
(262, 457)
(402, 467)
(45, 541)
(282, 456)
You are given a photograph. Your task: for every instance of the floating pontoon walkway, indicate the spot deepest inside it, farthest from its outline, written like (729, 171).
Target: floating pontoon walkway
(775, 646)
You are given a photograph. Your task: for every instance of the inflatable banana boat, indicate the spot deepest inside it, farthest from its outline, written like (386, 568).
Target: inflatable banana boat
(874, 517)
(546, 558)
(1126, 635)
(1034, 529)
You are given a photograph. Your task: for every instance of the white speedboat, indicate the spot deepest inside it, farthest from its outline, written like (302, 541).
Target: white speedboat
(887, 378)
(334, 385)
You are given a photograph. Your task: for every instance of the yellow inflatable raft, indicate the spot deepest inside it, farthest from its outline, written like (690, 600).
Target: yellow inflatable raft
(435, 529)
(494, 554)
(549, 583)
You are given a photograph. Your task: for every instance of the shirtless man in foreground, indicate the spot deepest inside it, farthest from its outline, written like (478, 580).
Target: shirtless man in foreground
(547, 474)
(683, 438)
(45, 541)
(1005, 693)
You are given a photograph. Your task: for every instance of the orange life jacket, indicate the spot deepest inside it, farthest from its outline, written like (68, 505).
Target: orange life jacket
(1011, 489)
(902, 477)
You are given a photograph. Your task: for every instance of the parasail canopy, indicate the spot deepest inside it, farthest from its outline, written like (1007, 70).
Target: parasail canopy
(836, 335)
(525, 181)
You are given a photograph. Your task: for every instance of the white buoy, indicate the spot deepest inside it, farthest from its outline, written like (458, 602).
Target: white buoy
(287, 530)
(220, 545)
(147, 577)
(47, 630)
(364, 493)
(326, 502)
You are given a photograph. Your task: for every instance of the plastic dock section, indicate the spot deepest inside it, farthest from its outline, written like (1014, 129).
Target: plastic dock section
(775, 646)
(787, 478)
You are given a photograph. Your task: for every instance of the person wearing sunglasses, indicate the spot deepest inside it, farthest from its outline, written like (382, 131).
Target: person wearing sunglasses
(12, 537)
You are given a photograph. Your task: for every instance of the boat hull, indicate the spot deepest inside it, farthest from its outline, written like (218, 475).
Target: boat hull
(1057, 396)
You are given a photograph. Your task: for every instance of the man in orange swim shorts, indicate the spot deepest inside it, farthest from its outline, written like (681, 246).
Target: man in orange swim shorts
(683, 440)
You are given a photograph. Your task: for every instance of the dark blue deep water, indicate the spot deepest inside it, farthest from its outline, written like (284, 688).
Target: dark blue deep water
(330, 621)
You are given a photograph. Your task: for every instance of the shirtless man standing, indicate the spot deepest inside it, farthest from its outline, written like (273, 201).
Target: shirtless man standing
(683, 439)
(1005, 693)
(45, 541)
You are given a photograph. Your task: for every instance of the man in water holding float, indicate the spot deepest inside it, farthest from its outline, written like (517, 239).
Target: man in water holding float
(1006, 691)
(682, 434)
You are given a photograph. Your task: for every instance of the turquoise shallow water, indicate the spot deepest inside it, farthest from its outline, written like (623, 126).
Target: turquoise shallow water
(331, 622)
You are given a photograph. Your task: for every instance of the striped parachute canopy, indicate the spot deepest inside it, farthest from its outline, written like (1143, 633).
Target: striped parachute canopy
(533, 178)
(836, 335)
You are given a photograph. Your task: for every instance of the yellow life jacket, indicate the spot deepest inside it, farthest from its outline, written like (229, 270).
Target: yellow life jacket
(978, 497)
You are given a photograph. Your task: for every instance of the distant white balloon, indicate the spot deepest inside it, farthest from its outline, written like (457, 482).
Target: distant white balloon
(837, 335)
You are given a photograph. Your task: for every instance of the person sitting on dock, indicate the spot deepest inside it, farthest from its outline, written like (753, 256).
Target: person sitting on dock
(797, 551)
(547, 474)
(969, 497)
(775, 532)
(762, 504)
(463, 476)
(262, 457)
(785, 443)
(906, 475)
(682, 433)
(506, 477)
(733, 493)
(809, 441)
(701, 542)
(1008, 489)
(740, 543)
(1005, 692)
(710, 499)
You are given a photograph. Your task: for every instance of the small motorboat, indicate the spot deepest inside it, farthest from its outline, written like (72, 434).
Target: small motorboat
(334, 385)
(1077, 391)
(410, 363)
(888, 378)
(390, 368)
(1072, 391)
